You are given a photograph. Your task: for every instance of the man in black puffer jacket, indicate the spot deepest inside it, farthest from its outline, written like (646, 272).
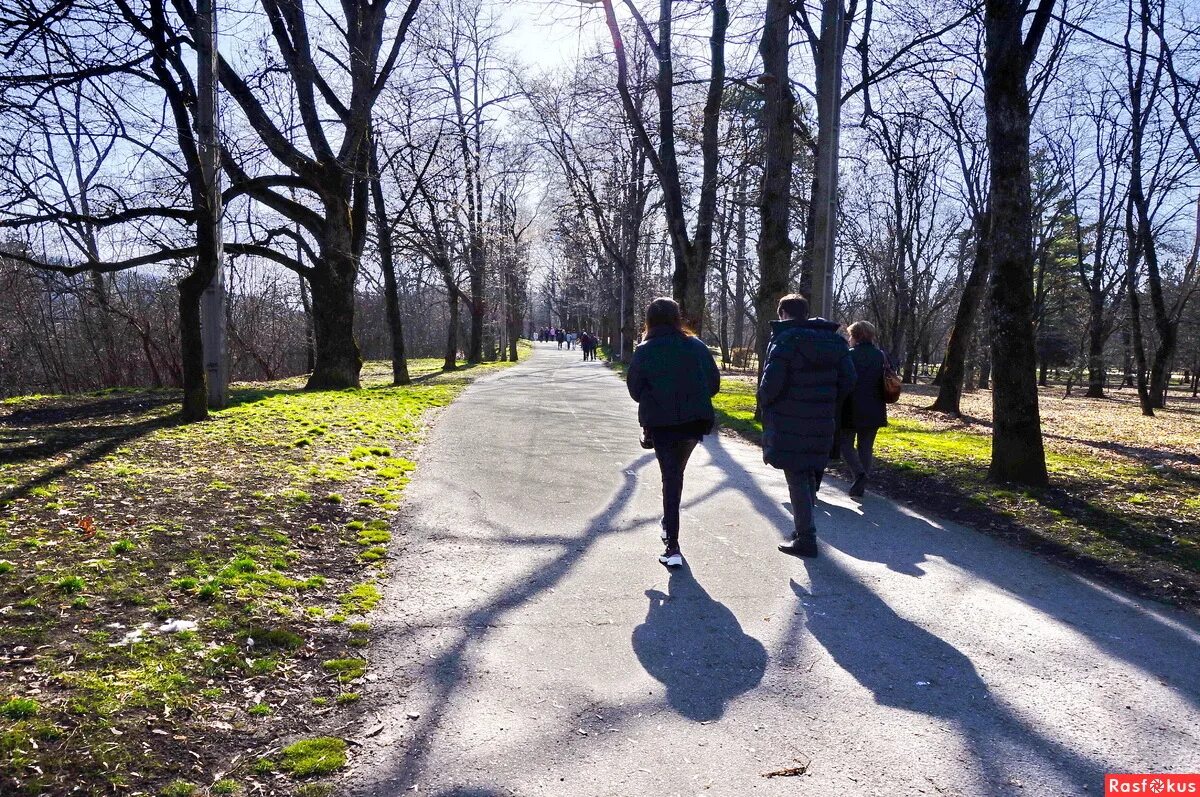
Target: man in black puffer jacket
(808, 375)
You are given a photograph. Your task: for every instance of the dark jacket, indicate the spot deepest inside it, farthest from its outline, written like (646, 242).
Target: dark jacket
(673, 378)
(807, 377)
(865, 408)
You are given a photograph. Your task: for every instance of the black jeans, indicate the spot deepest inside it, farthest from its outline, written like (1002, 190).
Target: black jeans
(802, 489)
(672, 458)
(859, 457)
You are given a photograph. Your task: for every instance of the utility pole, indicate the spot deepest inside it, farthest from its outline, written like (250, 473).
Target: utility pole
(829, 115)
(212, 303)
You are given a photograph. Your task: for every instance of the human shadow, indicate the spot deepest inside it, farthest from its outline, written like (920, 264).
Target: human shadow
(451, 668)
(906, 667)
(1156, 641)
(695, 647)
(1118, 627)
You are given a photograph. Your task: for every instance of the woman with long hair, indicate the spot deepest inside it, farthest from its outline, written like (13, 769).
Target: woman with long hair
(673, 378)
(865, 410)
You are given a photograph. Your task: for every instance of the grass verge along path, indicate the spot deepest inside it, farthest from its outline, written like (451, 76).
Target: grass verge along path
(183, 607)
(1124, 501)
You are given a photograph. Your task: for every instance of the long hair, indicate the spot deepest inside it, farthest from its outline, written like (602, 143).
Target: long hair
(664, 312)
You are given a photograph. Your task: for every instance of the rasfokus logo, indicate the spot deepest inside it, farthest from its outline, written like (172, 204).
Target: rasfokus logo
(1158, 783)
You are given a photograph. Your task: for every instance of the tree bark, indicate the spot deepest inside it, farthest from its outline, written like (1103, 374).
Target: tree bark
(191, 350)
(450, 362)
(387, 264)
(774, 244)
(337, 361)
(1018, 454)
(1097, 335)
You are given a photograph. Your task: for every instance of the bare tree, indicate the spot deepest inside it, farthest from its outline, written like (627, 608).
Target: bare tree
(1018, 454)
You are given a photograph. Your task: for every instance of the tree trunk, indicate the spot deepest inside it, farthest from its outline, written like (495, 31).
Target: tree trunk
(1160, 367)
(387, 263)
(450, 362)
(476, 309)
(774, 245)
(1018, 454)
(1135, 311)
(191, 350)
(1097, 373)
(953, 370)
(1127, 377)
(739, 265)
(310, 345)
(191, 341)
(338, 362)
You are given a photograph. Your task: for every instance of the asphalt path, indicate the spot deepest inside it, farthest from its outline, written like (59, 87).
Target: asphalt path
(531, 644)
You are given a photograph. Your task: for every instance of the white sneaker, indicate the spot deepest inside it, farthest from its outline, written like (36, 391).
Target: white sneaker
(671, 557)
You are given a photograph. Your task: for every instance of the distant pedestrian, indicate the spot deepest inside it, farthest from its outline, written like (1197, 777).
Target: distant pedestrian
(673, 378)
(808, 375)
(561, 337)
(864, 410)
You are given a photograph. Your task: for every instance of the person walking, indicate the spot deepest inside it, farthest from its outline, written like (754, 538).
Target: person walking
(807, 377)
(864, 410)
(673, 378)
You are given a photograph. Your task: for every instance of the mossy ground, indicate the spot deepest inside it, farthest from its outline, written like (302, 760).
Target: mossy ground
(115, 519)
(1124, 500)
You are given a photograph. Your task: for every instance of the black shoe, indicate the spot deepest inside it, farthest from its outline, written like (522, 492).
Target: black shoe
(802, 545)
(859, 487)
(672, 556)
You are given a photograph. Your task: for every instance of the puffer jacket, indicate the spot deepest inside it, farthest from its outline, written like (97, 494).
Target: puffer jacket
(808, 375)
(865, 408)
(673, 378)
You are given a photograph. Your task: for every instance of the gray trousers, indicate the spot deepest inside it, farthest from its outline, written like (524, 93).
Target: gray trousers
(802, 489)
(859, 454)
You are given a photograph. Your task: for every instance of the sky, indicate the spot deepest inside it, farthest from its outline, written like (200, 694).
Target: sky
(551, 33)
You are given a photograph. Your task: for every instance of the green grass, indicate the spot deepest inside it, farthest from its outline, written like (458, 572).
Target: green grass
(225, 523)
(346, 670)
(18, 708)
(361, 598)
(308, 757)
(1109, 512)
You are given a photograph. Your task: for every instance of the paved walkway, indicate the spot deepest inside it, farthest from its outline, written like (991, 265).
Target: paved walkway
(531, 644)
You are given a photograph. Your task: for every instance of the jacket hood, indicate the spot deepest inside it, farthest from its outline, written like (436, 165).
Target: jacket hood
(815, 339)
(811, 323)
(662, 330)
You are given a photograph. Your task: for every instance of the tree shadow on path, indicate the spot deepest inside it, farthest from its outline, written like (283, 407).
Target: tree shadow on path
(695, 647)
(908, 668)
(878, 530)
(1116, 625)
(451, 668)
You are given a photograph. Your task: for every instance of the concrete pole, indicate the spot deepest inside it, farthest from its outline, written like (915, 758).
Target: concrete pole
(829, 114)
(212, 303)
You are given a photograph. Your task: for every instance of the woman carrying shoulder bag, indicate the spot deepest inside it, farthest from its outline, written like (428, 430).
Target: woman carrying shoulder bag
(865, 409)
(673, 378)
